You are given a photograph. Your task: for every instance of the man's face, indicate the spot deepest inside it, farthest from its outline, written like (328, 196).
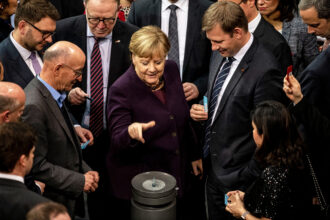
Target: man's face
(71, 72)
(106, 12)
(16, 113)
(34, 39)
(30, 160)
(224, 43)
(317, 26)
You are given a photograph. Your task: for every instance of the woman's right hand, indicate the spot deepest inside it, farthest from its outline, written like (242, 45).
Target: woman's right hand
(197, 113)
(136, 129)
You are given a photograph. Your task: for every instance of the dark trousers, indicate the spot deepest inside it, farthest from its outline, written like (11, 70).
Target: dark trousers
(95, 157)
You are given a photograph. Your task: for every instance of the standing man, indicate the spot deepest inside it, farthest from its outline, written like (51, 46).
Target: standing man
(34, 27)
(16, 159)
(58, 159)
(315, 85)
(181, 21)
(104, 39)
(244, 74)
(266, 34)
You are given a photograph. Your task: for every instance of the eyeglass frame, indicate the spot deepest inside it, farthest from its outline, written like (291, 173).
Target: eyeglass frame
(104, 20)
(44, 33)
(77, 73)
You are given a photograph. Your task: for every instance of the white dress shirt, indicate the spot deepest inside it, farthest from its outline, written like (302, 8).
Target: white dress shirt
(11, 177)
(105, 50)
(238, 58)
(182, 19)
(25, 54)
(254, 23)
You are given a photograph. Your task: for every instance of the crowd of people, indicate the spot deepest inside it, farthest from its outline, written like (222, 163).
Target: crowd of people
(229, 97)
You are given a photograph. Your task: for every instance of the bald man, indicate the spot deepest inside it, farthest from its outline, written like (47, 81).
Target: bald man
(12, 99)
(58, 160)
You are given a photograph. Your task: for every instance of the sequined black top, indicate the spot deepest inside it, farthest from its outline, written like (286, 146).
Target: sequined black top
(277, 194)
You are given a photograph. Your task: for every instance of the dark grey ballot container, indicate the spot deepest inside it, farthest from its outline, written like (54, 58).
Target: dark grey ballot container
(153, 196)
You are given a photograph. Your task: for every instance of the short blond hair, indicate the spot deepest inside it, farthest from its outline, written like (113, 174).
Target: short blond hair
(149, 41)
(227, 14)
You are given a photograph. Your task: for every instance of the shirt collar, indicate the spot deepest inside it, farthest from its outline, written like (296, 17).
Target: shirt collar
(59, 97)
(254, 23)
(182, 5)
(25, 53)
(240, 54)
(90, 34)
(11, 177)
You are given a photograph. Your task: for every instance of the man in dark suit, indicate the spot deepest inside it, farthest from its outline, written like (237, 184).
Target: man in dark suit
(19, 53)
(16, 159)
(315, 83)
(242, 74)
(100, 25)
(194, 48)
(58, 159)
(266, 34)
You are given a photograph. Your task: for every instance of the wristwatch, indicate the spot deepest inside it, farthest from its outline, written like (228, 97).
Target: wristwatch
(243, 216)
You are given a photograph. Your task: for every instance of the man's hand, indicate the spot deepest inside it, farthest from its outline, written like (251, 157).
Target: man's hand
(41, 186)
(77, 96)
(190, 91)
(91, 181)
(292, 89)
(84, 135)
(197, 113)
(197, 166)
(136, 130)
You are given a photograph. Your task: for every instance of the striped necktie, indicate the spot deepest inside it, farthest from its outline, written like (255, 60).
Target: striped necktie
(221, 77)
(173, 54)
(96, 113)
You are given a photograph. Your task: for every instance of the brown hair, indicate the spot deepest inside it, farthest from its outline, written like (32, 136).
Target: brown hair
(148, 41)
(1, 71)
(227, 14)
(34, 10)
(17, 139)
(45, 210)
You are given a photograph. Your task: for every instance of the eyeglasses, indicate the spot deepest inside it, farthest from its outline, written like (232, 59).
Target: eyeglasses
(106, 21)
(77, 73)
(45, 34)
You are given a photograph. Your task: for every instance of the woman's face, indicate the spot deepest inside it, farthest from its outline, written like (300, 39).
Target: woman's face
(256, 136)
(10, 8)
(149, 69)
(267, 7)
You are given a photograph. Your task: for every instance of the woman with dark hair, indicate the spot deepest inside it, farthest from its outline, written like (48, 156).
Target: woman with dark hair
(279, 192)
(7, 9)
(283, 15)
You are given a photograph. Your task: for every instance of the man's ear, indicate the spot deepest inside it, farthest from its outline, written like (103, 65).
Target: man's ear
(237, 33)
(5, 116)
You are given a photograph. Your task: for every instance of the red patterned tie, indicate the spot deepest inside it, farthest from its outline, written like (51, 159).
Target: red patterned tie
(96, 113)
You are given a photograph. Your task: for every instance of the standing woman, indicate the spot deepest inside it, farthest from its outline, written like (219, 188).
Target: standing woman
(148, 119)
(281, 191)
(7, 9)
(283, 15)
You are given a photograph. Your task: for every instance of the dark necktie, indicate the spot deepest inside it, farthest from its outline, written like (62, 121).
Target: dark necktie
(221, 77)
(96, 113)
(173, 54)
(35, 63)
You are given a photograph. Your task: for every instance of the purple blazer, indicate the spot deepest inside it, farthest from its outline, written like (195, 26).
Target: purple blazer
(169, 146)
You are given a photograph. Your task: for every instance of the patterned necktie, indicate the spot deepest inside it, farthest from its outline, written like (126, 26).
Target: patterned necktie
(35, 63)
(173, 54)
(221, 77)
(96, 113)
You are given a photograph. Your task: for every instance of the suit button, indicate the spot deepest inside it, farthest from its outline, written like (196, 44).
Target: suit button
(177, 151)
(171, 117)
(173, 134)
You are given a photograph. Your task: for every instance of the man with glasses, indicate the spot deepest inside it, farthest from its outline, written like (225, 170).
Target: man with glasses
(35, 23)
(58, 159)
(105, 40)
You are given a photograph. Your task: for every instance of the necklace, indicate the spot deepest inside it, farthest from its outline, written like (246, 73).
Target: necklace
(158, 86)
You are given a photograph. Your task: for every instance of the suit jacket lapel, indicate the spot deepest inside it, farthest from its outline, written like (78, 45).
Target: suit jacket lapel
(240, 70)
(191, 31)
(18, 63)
(54, 109)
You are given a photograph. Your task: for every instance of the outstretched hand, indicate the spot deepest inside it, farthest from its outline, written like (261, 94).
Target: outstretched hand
(136, 130)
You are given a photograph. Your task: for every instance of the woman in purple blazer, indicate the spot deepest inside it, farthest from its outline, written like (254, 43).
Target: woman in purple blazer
(148, 118)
